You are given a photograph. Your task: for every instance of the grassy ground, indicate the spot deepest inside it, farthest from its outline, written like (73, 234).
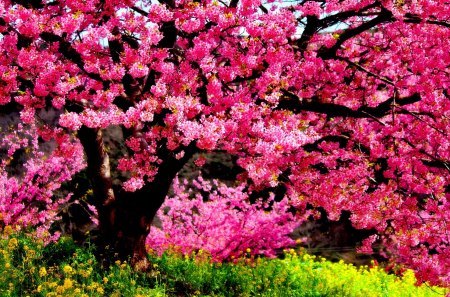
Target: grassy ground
(64, 269)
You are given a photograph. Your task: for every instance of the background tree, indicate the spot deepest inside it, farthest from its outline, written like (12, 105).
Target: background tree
(342, 105)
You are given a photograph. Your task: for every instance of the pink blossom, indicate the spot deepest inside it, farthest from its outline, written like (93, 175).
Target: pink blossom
(225, 226)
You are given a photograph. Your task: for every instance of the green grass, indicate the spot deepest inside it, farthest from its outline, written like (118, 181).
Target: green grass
(27, 268)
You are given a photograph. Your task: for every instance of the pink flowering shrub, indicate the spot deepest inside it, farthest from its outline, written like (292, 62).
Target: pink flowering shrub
(27, 198)
(226, 225)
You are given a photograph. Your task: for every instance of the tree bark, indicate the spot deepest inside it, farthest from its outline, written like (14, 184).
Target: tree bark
(99, 174)
(125, 218)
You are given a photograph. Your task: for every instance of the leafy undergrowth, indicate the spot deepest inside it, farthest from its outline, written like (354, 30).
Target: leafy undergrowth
(27, 268)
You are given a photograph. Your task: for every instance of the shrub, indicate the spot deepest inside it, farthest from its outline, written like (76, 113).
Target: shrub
(225, 225)
(29, 269)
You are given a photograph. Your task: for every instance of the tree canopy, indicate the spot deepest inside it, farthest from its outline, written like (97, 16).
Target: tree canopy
(342, 105)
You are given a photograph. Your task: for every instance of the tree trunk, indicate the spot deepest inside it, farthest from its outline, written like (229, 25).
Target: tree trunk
(125, 218)
(134, 212)
(132, 216)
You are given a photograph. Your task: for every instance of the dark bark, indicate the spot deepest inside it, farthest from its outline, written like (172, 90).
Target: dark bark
(312, 23)
(330, 53)
(293, 103)
(99, 174)
(134, 212)
(124, 217)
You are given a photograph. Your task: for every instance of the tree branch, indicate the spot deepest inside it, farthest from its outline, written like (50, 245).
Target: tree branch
(66, 49)
(440, 23)
(140, 11)
(330, 53)
(293, 103)
(234, 3)
(312, 25)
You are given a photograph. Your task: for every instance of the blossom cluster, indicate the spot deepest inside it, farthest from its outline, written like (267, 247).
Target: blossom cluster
(27, 198)
(226, 225)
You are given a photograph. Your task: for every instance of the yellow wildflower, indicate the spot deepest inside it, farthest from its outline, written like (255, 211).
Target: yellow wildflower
(67, 269)
(94, 285)
(8, 230)
(60, 289)
(68, 283)
(13, 243)
(52, 284)
(42, 272)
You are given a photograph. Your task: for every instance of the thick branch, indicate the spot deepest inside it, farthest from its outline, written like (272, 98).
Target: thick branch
(150, 198)
(312, 24)
(330, 53)
(294, 104)
(434, 162)
(36, 4)
(440, 23)
(342, 16)
(415, 19)
(134, 212)
(169, 31)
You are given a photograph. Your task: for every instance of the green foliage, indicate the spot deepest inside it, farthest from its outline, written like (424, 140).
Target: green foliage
(298, 274)
(27, 268)
(63, 269)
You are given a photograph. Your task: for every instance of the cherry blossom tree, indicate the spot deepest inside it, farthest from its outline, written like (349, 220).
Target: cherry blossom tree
(342, 105)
